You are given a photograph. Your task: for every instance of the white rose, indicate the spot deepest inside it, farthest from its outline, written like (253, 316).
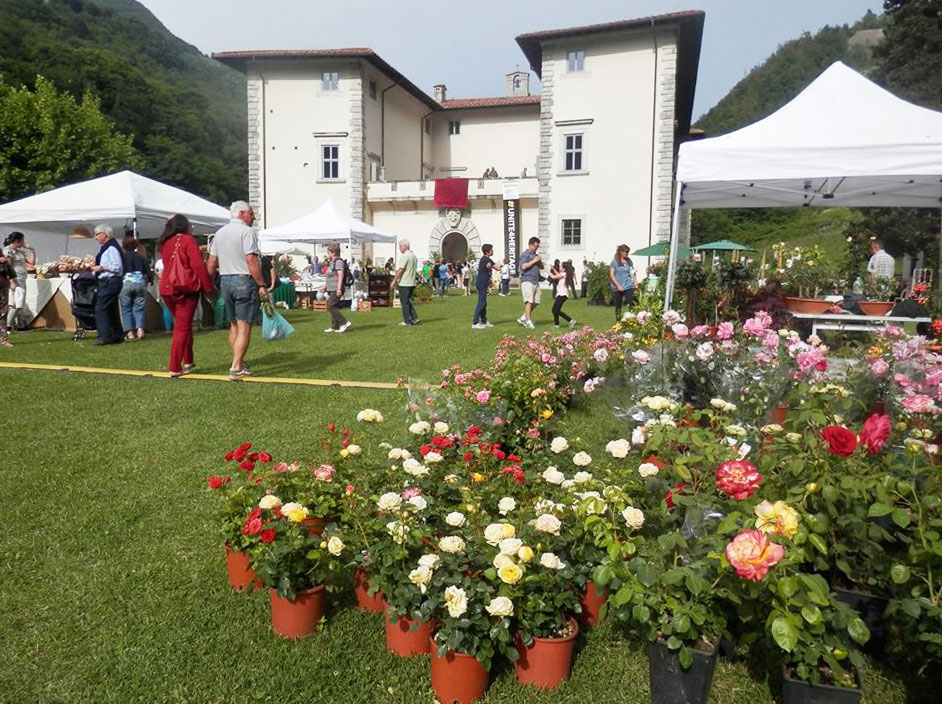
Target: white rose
(553, 475)
(633, 517)
(419, 502)
(398, 531)
(455, 519)
(544, 506)
(451, 479)
(397, 453)
(500, 606)
(433, 457)
(389, 501)
(430, 561)
(414, 467)
(771, 429)
(582, 459)
(501, 560)
(420, 577)
(551, 561)
(656, 403)
(334, 545)
(735, 430)
(419, 428)
(269, 501)
(354, 449)
(548, 523)
(456, 600)
(618, 448)
(647, 469)
(581, 477)
(568, 484)
(506, 505)
(370, 415)
(637, 436)
(510, 546)
(494, 533)
(451, 543)
(559, 445)
(440, 427)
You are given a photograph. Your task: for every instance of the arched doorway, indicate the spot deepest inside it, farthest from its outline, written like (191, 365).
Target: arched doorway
(454, 247)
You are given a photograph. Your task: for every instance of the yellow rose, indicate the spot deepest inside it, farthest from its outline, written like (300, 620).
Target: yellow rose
(777, 518)
(525, 554)
(509, 530)
(510, 574)
(345, 452)
(477, 477)
(547, 414)
(297, 515)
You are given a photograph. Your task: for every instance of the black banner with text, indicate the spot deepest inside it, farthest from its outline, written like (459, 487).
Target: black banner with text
(512, 233)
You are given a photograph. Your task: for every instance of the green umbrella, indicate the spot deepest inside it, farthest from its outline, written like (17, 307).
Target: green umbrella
(661, 249)
(724, 246)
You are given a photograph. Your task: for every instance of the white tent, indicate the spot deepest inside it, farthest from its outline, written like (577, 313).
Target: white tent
(324, 225)
(124, 199)
(842, 141)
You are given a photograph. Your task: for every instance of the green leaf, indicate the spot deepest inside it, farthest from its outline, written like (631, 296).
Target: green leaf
(911, 607)
(876, 510)
(858, 630)
(787, 587)
(818, 543)
(784, 634)
(647, 575)
(900, 517)
(674, 643)
(640, 614)
(899, 574)
(811, 613)
(681, 623)
(695, 584)
(683, 472)
(686, 657)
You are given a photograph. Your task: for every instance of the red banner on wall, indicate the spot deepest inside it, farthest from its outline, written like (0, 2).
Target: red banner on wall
(451, 193)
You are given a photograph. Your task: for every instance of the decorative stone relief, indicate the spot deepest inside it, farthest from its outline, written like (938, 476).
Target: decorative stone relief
(453, 220)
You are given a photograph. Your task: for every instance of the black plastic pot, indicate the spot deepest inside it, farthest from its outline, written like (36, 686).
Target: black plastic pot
(801, 692)
(671, 683)
(871, 608)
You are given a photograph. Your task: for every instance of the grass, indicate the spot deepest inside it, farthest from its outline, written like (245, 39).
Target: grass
(113, 586)
(376, 348)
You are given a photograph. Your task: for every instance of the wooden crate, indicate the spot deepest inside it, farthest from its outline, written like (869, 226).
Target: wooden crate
(320, 306)
(365, 307)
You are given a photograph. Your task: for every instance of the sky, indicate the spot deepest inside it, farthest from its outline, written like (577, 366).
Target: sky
(469, 46)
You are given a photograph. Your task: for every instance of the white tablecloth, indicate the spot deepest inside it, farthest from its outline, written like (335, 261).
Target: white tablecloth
(40, 291)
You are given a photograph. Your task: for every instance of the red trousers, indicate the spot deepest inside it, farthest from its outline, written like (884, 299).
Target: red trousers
(181, 348)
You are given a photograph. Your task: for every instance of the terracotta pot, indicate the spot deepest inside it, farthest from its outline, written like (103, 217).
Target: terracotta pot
(298, 617)
(315, 526)
(778, 414)
(406, 637)
(374, 604)
(807, 305)
(875, 307)
(546, 662)
(592, 604)
(241, 576)
(457, 678)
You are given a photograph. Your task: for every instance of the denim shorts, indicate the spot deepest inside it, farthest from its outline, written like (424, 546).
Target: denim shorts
(240, 294)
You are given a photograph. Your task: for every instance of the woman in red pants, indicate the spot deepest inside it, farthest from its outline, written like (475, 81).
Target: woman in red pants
(184, 277)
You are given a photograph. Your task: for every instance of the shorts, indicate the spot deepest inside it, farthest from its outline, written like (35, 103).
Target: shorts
(240, 294)
(531, 292)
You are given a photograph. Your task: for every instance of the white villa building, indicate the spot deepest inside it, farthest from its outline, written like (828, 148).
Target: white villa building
(589, 161)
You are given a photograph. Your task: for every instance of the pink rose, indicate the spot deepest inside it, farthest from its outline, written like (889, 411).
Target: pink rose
(483, 396)
(725, 331)
(680, 330)
(738, 478)
(876, 430)
(700, 331)
(918, 404)
(410, 492)
(324, 473)
(879, 367)
(751, 554)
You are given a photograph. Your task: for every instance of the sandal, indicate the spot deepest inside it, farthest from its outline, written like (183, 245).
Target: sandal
(5, 343)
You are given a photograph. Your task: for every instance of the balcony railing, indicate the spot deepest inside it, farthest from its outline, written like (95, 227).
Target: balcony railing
(378, 191)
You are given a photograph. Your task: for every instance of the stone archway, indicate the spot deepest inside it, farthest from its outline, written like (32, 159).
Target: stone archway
(454, 247)
(454, 223)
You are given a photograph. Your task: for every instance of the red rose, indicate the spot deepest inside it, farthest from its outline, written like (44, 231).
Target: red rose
(239, 455)
(246, 465)
(229, 455)
(840, 440)
(876, 430)
(500, 455)
(425, 449)
(346, 432)
(484, 448)
(256, 513)
(252, 527)
(669, 496)
(216, 482)
(244, 447)
(738, 478)
(253, 456)
(331, 427)
(267, 535)
(264, 457)
(513, 458)
(467, 456)
(345, 443)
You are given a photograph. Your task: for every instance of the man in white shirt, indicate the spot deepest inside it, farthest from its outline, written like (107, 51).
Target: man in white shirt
(881, 264)
(109, 269)
(234, 254)
(505, 278)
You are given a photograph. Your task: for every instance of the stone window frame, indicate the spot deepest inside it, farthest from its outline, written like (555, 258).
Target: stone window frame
(572, 219)
(565, 151)
(334, 159)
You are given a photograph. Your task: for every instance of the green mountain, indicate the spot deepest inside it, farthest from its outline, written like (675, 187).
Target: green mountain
(186, 112)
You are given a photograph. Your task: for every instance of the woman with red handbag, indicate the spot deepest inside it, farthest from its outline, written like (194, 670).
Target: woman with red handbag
(184, 276)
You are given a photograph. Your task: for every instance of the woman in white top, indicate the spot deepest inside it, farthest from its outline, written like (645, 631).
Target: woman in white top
(557, 277)
(19, 255)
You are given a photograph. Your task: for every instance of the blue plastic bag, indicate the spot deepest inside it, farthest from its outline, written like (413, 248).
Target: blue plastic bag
(274, 326)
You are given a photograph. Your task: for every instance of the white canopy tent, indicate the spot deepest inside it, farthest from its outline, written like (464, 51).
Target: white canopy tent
(842, 141)
(325, 225)
(124, 199)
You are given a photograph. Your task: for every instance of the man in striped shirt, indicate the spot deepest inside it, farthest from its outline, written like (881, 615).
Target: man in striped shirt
(881, 264)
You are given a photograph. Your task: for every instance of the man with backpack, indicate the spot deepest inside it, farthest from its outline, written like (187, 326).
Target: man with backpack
(338, 277)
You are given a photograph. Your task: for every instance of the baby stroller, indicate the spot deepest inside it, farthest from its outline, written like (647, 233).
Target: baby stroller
(84, 294)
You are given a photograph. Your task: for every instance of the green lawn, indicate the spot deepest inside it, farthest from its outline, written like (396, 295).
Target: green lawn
(376, 348)
(112, 583)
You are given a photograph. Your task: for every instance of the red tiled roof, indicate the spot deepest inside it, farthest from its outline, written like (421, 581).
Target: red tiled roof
(690, 33)
(466, 103)
(239, 59)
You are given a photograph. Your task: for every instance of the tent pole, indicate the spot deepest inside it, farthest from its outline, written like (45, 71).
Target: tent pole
(672, 255)
(938, 272)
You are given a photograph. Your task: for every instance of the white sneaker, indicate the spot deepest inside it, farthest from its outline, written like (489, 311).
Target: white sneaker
(403, 324)
(478, 326)
(556, 326)
(345, 326)
(488, 325)
(522, 321)
(528, 324)
(572, 323)
(330, 330)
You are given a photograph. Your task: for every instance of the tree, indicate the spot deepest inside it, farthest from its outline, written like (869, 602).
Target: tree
(48, 139)
(911, 52)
